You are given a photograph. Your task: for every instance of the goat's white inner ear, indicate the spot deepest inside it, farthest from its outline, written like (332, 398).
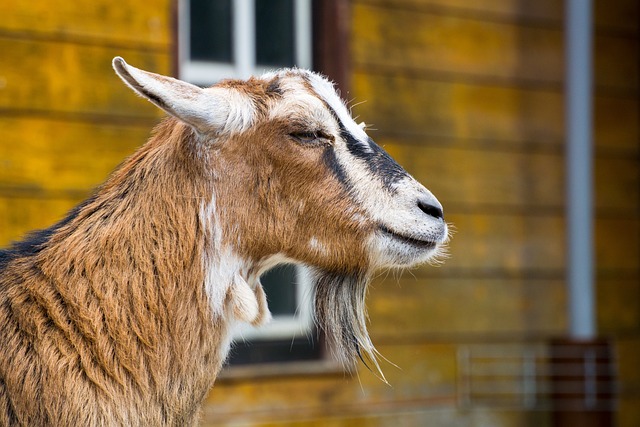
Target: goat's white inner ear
(200, 108)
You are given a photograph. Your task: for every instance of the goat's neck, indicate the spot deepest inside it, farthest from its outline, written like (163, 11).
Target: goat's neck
(130, 268)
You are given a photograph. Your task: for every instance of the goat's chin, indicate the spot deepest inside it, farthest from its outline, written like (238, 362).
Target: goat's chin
(392, 250)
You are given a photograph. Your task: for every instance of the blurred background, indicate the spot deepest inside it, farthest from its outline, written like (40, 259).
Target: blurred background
(469, 97)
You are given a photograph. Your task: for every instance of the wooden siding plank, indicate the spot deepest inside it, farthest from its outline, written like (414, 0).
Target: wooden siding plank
(71, 78)
(40, 155)
(469, 49)
(429, 377)
(408, 39)
(627, 350)
(468, 178)
(618, 307)
(425, 381)
(130, 22)
(487, 243)
(413, 310)
(615, 63)
(620, 15)
(458, 110)
(464, 178)
(550, 11)
(617, 246)
(19, 216)
(617, 185)
(407, 106)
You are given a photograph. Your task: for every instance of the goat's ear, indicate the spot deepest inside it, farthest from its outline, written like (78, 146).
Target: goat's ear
(205, 110)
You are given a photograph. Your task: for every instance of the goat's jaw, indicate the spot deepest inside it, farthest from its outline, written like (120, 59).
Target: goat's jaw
(397, 249)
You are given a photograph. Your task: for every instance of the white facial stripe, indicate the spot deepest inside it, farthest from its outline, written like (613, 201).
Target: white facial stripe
(327, 92)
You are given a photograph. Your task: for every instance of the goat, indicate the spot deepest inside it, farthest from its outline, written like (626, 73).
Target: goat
(120, 314)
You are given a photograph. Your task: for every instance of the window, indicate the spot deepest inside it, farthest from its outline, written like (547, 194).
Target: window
(239, 38)
(220, 39)
(289, 295)
(290, 335)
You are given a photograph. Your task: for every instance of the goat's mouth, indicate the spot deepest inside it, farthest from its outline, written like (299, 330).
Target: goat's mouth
(408, 240)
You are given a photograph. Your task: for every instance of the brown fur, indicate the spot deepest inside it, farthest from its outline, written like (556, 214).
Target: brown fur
(109, 322)
(271, 172)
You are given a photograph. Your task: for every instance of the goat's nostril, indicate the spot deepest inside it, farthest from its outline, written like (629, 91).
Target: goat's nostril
(433, 211)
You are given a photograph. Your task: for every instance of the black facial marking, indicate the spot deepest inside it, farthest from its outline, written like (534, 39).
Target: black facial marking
(379, 162)
(330, 160)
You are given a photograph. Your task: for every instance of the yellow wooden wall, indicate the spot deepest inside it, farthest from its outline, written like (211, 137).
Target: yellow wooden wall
(65, 121)
(469, 96)
(466, 95)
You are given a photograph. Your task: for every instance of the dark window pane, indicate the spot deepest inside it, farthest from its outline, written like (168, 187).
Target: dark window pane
(275, 34)
(211, 30)
(303, 348)
(279, 284)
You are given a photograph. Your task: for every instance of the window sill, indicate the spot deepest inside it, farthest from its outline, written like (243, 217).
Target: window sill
(282, 369)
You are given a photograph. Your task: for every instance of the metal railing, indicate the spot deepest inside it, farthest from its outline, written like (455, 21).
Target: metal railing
(537, 377)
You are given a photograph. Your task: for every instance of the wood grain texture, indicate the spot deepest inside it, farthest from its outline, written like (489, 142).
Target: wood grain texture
(71, 78)
(130, 23)
(40, 155)
(619, 305)
(21, 215)
(506, 244)
(406, 105)
(477, 50)
(415, 310)
(614, 16)
(427, 377)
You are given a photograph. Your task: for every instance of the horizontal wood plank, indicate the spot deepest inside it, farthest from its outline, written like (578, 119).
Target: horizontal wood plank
(404, 105)
(470, 49)
(424, 379)
(618, 306)
(19, 216)
(617, 245)
(512, 244)
(147, 23)
(40, 155)
(428, 376)
(470, 178)
(463, 177)
(71, 78)
(618, 15)
(627, 351)
(410, 309)
(550, 11)
(486, 245)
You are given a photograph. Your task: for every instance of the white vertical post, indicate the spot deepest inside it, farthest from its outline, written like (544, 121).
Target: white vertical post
(303, 33)
(578, 96)
(244, 37)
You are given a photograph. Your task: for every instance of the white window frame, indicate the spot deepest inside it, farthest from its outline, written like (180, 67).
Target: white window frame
(244, 51)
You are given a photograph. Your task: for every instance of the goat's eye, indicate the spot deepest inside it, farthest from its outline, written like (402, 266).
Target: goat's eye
(306, 137)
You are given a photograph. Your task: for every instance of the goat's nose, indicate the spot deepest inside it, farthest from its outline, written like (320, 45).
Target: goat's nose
(431, 209)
